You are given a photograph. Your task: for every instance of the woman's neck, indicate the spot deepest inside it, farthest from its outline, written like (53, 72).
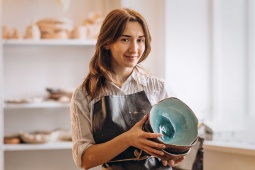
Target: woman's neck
(119, 77)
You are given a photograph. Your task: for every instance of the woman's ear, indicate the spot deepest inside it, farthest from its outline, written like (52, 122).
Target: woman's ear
(107, 47)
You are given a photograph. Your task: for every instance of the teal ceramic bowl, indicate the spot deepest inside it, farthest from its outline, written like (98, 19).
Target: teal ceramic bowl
(176, 122)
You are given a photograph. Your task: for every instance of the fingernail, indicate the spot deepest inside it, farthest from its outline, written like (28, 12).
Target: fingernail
(161, 153)
(159, 134)
(164, 146)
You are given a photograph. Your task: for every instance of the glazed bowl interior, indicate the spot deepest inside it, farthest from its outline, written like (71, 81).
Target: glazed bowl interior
(175, 121)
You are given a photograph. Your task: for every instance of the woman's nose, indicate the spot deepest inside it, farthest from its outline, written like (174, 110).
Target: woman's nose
(133, 47)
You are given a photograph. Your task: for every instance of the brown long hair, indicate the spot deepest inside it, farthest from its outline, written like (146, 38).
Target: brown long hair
(112, 28)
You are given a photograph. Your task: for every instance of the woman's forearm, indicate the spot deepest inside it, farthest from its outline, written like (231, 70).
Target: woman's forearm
(100, 153)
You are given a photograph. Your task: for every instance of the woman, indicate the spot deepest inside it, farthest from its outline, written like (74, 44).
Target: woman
(109, 109)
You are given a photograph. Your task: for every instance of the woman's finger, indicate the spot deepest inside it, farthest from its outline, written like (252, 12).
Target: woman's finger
(143, 120)
(150, 150)
(164, 163)
(151, 135)
(153, 144)
(173, 163)
(177, 161)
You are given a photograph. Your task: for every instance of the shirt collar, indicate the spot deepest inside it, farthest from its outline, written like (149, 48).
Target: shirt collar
(138, 77)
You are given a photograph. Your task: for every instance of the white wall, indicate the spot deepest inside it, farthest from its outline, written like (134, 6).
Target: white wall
(210, 65)
(210, 62)
(188, 56)
(250, 118)
(229, 62)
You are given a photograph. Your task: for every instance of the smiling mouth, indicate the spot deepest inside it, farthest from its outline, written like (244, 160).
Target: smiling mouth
(131, 57)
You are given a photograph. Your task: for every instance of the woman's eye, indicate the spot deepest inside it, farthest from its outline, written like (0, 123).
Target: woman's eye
(140, 40)
(125, 39)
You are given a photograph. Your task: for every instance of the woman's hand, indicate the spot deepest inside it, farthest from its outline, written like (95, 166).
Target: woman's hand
(140, 139)
(172, 163)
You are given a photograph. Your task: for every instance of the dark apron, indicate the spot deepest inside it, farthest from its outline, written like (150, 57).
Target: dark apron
(114, 115)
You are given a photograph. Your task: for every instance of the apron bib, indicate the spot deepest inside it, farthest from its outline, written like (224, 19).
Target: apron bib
(114, 115)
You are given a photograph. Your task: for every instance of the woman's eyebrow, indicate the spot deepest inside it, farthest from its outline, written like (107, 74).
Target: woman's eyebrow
(141, 36)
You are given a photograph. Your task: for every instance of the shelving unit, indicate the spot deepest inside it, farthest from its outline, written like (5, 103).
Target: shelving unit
(31, 147)
(32, 108)
(1, 98)
(27, 68)
(47, 115)
(50, 104)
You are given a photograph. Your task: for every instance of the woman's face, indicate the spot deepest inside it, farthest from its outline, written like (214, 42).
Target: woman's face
(128, 48)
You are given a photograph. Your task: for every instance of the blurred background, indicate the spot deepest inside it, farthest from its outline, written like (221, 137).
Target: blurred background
(204, 49)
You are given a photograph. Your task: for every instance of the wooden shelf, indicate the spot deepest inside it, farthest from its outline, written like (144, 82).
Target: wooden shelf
(69, 42)
(50, 104)
(45, 146)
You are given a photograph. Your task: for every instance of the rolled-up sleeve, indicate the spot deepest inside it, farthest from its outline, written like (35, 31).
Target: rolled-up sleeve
(81, 125)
